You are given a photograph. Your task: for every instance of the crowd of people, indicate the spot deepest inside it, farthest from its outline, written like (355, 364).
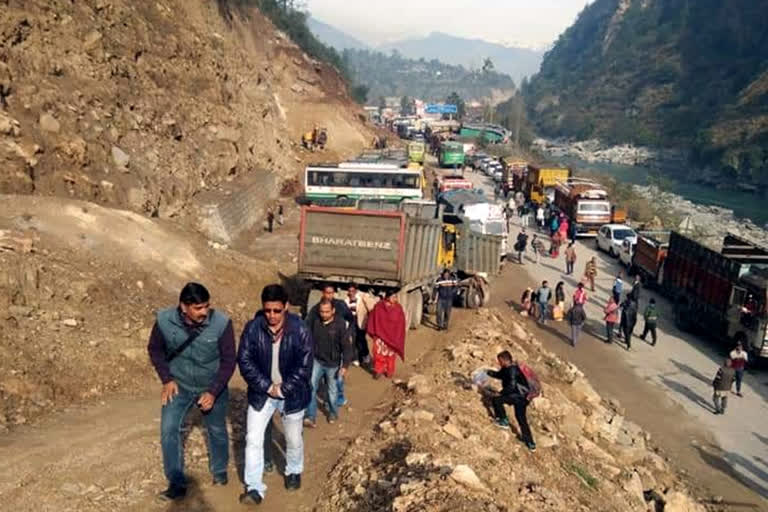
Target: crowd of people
(288, 364)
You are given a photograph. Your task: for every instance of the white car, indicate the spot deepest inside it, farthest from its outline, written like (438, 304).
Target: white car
(493, 168)
(610, 237)
(484, 163)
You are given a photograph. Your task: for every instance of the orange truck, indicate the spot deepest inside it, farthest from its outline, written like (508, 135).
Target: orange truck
(541, 182)
(585, 203)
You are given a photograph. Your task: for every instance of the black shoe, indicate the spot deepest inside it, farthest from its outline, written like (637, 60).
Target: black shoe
(292, 482)
(269, 467)
(173, 493)
(251, 498)
(220, 480)
(531, 446)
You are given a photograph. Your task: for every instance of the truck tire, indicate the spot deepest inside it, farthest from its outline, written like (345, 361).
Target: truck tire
(405, 301)
(474, 298)
(417, 312)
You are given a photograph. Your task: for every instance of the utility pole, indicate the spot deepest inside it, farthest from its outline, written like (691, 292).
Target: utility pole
(519, 107)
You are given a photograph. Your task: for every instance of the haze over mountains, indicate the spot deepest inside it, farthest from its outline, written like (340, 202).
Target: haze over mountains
(470, 53)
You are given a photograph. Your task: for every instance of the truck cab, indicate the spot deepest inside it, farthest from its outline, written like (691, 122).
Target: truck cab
(747, 314)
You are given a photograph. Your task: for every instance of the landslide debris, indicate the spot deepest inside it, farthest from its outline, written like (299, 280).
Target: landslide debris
(79, 285)
(146, 105)
(437, 450)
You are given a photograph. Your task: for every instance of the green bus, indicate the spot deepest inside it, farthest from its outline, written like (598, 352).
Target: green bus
(451, 154)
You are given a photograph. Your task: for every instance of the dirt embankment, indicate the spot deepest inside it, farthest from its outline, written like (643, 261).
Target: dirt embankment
(147, 105)
(78, 287)
(438, 450)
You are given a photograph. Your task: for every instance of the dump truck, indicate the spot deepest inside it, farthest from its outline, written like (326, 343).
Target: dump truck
(585, 203)
(646, 257)
(541, 181)
(389, 250)
(483, 216)
(379, 250)
(719, 294)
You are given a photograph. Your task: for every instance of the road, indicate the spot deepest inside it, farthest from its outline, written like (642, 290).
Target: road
(680, 365)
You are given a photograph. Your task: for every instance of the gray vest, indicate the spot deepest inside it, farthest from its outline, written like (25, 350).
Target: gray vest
(195, 368)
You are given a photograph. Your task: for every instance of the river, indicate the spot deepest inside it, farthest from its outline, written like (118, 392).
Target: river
(743, 204)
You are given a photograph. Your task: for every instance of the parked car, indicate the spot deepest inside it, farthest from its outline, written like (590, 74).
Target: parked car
(476, 159)
(610, 237)
(484, 163)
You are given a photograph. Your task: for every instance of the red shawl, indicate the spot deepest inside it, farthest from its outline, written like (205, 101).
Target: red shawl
(387, 322)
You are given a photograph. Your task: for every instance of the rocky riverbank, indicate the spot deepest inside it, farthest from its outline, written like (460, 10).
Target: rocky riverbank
(594, 151)
(708, 224)
(436, 448)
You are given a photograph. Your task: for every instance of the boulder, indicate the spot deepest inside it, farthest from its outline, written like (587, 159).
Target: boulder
(464, 475)
(48, 123)
(453, 431)
(120, 157)
(634, 486)
(419, 384)
(676, 501)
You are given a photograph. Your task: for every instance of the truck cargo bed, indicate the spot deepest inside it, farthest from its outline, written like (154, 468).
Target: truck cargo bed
(379, 248)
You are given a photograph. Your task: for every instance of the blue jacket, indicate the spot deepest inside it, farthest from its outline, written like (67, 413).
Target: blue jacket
(254, 358)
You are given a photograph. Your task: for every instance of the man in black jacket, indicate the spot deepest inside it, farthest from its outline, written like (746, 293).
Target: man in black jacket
(628, 320)
(333, 351)
(343, 311)
(514, 389)
(275, 360)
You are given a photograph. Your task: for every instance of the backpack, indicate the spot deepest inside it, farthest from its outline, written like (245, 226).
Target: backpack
(534, 386)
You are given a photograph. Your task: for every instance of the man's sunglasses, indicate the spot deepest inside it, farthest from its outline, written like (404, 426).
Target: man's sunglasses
(274, 311)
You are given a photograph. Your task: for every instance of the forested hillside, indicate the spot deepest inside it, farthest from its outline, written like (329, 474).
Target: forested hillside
(395, 75)
(671, 73)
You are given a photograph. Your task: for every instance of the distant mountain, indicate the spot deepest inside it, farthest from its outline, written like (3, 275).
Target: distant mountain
(333, 36)
(515, 62)
(674, 73)
(394, 75)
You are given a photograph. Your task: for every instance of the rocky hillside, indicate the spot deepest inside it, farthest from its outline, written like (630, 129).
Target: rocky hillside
(156, 106)
(673, 73)
(437, 450)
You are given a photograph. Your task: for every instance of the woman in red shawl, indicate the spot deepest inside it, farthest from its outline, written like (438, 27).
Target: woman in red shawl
(386, 327)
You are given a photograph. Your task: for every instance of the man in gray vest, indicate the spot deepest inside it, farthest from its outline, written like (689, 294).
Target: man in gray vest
(192, 348)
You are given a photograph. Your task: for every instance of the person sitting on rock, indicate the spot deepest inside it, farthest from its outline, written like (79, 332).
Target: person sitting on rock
(514, 390)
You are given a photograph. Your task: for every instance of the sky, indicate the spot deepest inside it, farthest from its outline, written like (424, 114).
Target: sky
(532, 22)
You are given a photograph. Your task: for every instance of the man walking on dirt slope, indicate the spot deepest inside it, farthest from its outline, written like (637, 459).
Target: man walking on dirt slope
(275, 360)
(192, 348)
(333, 352)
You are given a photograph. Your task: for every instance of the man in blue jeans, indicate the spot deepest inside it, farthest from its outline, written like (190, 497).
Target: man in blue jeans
(275, 360)
(192, 348)
(334, 350)
(543, 294)
(342, 310)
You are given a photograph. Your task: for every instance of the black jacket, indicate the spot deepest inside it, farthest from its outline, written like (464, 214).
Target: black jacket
(333, 342)
(254, 357)
(513, 381)
(577, 315)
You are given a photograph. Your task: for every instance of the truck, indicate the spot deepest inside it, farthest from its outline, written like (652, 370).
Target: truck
(514, 173)
(646, 257)
(483, 216)
(585, 203)
(384, 250)
(378, 250)
(541, 181)
(451, 154)
(719, 294)
(454, 182)
(417, 151)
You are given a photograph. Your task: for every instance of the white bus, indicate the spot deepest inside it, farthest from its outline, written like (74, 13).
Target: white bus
(358, 180)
